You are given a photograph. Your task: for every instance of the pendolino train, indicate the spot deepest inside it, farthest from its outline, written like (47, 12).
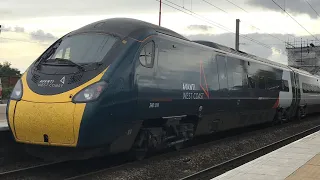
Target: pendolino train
(122, 84)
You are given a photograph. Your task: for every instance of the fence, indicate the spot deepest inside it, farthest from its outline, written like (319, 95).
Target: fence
(9, 81)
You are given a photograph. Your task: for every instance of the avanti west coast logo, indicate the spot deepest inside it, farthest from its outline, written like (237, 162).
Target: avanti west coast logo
(51, 83)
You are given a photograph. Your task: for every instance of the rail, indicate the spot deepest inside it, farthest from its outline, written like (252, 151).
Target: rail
(219, 169)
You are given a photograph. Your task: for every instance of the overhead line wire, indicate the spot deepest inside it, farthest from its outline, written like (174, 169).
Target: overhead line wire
(294, 19)
(255, 26)
(219, 25)
(237, 6)
(244, 21)
(191, 13)
(312, 7)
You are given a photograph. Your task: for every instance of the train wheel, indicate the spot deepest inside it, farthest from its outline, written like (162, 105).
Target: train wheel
(139, 154)
(299, 114)
(178, 146)
(278, 118)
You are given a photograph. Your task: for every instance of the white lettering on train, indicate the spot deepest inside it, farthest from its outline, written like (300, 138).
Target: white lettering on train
(190, 87)
(49, 83)
(190, 95)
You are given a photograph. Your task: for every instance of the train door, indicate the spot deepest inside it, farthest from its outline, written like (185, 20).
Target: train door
(298, 91)
(223, 93)
(144, 79)
(296, 95)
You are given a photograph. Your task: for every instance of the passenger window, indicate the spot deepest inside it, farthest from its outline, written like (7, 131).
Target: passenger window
(304, 86)
(59, 54)
(251, 82)
(67, 54)
(147, 55)
(213, 76)
(285, 86)
(237, 80)
(222, 71)
(262, 83)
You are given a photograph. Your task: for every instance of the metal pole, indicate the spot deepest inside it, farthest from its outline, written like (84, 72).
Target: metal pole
(160, 13)
(237, 33)
(301, 51)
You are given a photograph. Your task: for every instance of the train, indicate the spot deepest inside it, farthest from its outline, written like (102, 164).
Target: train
(126, 85)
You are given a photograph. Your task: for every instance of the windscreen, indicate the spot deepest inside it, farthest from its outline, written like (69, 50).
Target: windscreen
(84, 48)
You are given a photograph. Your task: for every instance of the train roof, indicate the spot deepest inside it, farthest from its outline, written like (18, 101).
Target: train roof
(240, 53)
(244, 54)
(127, 27)
(304, 72)
(137, 29)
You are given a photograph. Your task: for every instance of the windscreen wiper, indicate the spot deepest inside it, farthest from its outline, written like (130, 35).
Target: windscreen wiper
(65, 61)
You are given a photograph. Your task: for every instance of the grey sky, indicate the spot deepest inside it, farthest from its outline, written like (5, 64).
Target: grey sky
(14, 29)
(40, 35)
(11, 9)
(204, 28)
(43, 21)
(228, 39)
(294, 6)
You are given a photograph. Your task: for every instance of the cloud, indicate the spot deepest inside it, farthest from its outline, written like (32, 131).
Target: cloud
(5, 29)
(197, 27)
(40, 8)
(18, 29)
(40, 35)
(294, 6)
(228, 39)
(276, 51)
(14, 29)
(4, 11)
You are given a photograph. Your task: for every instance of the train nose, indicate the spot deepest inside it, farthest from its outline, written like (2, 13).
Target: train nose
(47, 123)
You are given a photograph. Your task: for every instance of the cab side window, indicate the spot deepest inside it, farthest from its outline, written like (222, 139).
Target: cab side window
(147, 55)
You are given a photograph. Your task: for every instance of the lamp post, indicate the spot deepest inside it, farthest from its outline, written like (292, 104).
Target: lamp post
(160, 13)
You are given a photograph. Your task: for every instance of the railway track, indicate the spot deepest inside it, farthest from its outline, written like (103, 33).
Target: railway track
(150, 169)
(83, 169)
(219, 169)
(63, 169)
(78, 169)
(29, 169)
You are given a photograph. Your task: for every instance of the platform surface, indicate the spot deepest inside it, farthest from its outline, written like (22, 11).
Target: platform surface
(3, 120)
(299, 160)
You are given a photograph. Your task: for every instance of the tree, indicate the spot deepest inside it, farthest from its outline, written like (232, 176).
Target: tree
(7, 70)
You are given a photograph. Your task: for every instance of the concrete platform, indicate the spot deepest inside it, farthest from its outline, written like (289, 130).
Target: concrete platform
(3, 125)
(299, 160)
(3, 120)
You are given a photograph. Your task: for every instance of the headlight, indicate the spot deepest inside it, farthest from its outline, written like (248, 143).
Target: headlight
(16, 93)
(90, 93)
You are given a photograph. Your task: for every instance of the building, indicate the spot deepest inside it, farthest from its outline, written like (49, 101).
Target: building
(304, 55)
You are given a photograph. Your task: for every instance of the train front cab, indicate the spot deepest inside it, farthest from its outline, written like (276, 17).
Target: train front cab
(58, 121)
(46, 120)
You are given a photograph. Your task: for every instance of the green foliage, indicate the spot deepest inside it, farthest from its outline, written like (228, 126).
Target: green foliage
(7, 70)
(6, 92)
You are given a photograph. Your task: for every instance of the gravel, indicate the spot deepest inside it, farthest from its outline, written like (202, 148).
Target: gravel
(12, 156)
(177, 165)
(172, 165)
